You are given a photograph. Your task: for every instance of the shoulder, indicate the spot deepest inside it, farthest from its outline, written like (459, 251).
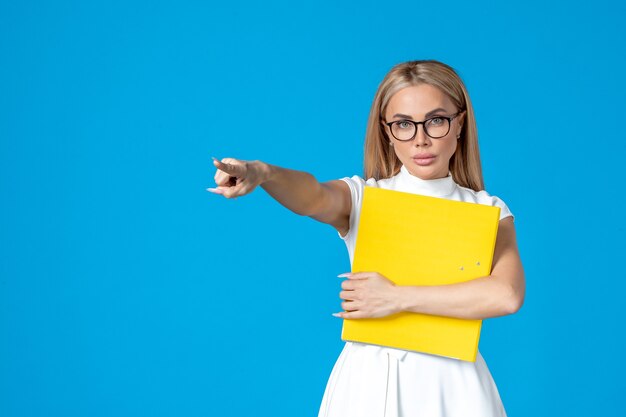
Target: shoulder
(357, 185)
(358, 182)
(483, 197)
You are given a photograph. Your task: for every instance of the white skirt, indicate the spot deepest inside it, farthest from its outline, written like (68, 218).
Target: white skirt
(376, 381)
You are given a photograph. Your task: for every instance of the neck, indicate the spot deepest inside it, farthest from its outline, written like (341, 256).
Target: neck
(436, 187)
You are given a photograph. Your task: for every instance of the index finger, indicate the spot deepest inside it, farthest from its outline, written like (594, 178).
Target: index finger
(235, 170)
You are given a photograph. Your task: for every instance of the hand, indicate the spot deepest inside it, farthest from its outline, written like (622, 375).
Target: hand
(235, 177)
(368, 295)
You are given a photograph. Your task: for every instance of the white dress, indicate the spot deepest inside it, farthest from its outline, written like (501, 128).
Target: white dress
(375, 381)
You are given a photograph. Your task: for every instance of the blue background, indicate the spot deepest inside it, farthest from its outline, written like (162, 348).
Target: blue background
(126, 289)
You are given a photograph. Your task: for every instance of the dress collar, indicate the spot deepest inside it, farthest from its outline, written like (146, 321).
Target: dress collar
(439, 187)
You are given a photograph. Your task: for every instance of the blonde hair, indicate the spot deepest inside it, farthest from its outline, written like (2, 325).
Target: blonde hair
(380, 160)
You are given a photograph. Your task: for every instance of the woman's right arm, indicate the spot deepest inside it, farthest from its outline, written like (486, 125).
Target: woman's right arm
(299, 191)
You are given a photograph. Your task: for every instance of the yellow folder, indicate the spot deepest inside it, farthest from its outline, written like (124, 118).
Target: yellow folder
(414, 239)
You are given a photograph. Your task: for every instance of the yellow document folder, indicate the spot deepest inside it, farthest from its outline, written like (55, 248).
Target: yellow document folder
(420, 240)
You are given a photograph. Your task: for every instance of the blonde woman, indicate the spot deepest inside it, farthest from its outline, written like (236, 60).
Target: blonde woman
(421, 138)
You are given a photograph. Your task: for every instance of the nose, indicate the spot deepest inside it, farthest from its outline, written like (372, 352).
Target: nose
(421, 138)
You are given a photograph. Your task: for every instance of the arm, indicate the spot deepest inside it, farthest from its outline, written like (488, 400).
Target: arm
(498, 294)
(301, 193)
(298, 191)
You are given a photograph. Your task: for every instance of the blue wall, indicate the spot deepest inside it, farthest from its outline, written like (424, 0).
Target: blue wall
(126, 289)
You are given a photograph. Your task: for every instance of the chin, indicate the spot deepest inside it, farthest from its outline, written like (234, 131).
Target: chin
(428, 171)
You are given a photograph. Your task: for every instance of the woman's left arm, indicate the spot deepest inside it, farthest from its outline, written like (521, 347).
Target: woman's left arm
(370, 294)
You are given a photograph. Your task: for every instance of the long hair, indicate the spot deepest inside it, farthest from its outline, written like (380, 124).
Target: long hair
(380, 160)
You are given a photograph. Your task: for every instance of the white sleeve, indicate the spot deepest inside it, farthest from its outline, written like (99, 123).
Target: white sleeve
(356, 185)
(504, 209)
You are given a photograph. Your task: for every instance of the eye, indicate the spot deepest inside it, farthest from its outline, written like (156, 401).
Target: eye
(436, 121)
(403, 124)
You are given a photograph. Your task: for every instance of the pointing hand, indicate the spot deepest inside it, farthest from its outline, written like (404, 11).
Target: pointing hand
(235, 177)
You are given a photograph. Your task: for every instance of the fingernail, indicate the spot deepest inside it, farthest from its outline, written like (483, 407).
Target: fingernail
(345, 274)
(337, 314)
(214, 190)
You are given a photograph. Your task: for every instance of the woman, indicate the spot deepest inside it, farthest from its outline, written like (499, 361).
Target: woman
(421, 138)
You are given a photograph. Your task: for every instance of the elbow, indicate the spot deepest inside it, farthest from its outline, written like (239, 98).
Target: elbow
(514, 302)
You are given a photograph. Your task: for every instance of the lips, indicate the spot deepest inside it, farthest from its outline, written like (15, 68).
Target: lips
(424, 159)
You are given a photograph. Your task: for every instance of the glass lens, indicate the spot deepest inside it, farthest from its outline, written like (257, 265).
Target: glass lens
(437, 127)
(403, 130)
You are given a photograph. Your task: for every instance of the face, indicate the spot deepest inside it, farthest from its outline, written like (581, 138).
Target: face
(418, 103)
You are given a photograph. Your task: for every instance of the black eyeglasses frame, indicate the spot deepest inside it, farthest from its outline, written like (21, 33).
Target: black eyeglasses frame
(423, 122)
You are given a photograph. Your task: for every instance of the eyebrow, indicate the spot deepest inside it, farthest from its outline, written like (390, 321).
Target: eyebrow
(430, 113)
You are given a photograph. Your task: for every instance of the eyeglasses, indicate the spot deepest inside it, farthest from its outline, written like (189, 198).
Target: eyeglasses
(435, 127)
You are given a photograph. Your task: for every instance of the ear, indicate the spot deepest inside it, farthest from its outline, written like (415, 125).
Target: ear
(462, 118)
(383, 126)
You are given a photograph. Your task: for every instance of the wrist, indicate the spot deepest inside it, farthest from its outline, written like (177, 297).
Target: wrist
(399, 298)
(262, 170)
(404, 295)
